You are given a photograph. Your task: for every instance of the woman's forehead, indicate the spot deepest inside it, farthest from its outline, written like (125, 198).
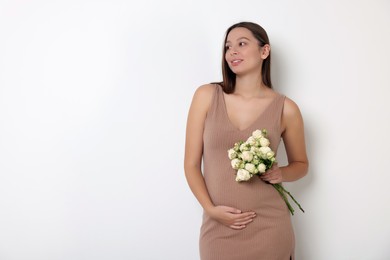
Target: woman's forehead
(238, 33)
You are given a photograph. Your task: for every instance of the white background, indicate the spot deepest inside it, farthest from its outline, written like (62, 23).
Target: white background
(93, 104)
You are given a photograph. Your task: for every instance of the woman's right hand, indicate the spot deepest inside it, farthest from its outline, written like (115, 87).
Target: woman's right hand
(231, 217)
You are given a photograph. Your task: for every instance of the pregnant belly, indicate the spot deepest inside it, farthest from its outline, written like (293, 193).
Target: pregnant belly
(254, 194)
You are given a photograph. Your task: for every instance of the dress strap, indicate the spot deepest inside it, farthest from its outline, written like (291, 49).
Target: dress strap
(214, 101)
(279, 111)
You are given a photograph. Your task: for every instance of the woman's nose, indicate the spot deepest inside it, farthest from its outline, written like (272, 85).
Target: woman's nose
(233, 52)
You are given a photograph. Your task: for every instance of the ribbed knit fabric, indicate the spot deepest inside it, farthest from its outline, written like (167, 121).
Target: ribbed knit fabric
(270, 236)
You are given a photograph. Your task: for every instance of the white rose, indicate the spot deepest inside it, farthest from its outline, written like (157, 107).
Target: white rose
(261, 167)
(243, 175)
(256, 160)
(244, 147)
(247, 156)
(270, 155)
(236, 163)
(236, 147)
(264, 142)
(251, 168)
(251, 140)
(232, 154)
(254, 150)
(257, 134)
(263, 151)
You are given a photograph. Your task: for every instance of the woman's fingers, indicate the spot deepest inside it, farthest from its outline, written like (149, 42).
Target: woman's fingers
(232, 217)
(231, 210)
(272, 177)
(237, 227)
(239, 223)
(245, 217)
(237, 215)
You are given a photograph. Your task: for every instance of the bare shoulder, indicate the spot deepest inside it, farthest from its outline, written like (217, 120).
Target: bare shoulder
(205, 91)
(291, 108)
(291, 116)
(203, 96)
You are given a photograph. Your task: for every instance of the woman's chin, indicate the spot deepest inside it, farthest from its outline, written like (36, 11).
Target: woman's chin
(239, 72)
(236, 70)
(244, 71)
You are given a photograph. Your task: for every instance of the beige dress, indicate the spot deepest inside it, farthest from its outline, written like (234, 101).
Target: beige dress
(270, 236)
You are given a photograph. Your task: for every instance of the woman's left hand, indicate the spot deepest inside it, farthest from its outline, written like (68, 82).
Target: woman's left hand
(273, 175)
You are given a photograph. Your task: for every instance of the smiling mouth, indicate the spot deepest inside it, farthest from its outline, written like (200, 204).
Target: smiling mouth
(236, 62)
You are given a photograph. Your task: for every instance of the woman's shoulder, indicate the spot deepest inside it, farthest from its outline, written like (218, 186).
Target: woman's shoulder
(206, 90)
(291, 113)
(203, 96)
(289, 105)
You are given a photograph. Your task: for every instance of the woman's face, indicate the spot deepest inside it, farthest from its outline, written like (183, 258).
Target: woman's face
(243, 52)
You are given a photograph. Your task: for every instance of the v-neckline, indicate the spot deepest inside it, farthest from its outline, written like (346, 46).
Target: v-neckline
(254, 122)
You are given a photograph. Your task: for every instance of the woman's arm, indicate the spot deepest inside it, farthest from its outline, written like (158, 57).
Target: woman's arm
(294, 142)
(194, 144)
(228, 216)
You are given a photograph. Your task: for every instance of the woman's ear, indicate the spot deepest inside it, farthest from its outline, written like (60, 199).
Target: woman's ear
(265, 50)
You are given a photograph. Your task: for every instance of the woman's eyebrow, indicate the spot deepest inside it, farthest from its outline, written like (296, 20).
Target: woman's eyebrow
(239, 39)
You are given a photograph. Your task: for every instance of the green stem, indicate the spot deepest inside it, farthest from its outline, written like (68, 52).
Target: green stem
(282, 192)
(291, 209)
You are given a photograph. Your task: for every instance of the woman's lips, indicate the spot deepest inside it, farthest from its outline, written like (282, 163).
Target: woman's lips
(236, 62)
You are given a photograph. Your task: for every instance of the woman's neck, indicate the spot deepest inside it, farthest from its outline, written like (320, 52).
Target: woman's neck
(249, 86)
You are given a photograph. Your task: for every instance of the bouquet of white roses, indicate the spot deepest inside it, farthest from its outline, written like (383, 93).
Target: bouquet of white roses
(254, 157)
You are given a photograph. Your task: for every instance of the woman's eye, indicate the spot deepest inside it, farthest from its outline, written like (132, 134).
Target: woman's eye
(242, 43)
(227, 47)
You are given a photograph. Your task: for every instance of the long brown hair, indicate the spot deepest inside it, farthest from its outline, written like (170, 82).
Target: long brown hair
(229, 78)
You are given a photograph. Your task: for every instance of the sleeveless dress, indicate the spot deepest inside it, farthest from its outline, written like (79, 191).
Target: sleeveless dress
(270, 235)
